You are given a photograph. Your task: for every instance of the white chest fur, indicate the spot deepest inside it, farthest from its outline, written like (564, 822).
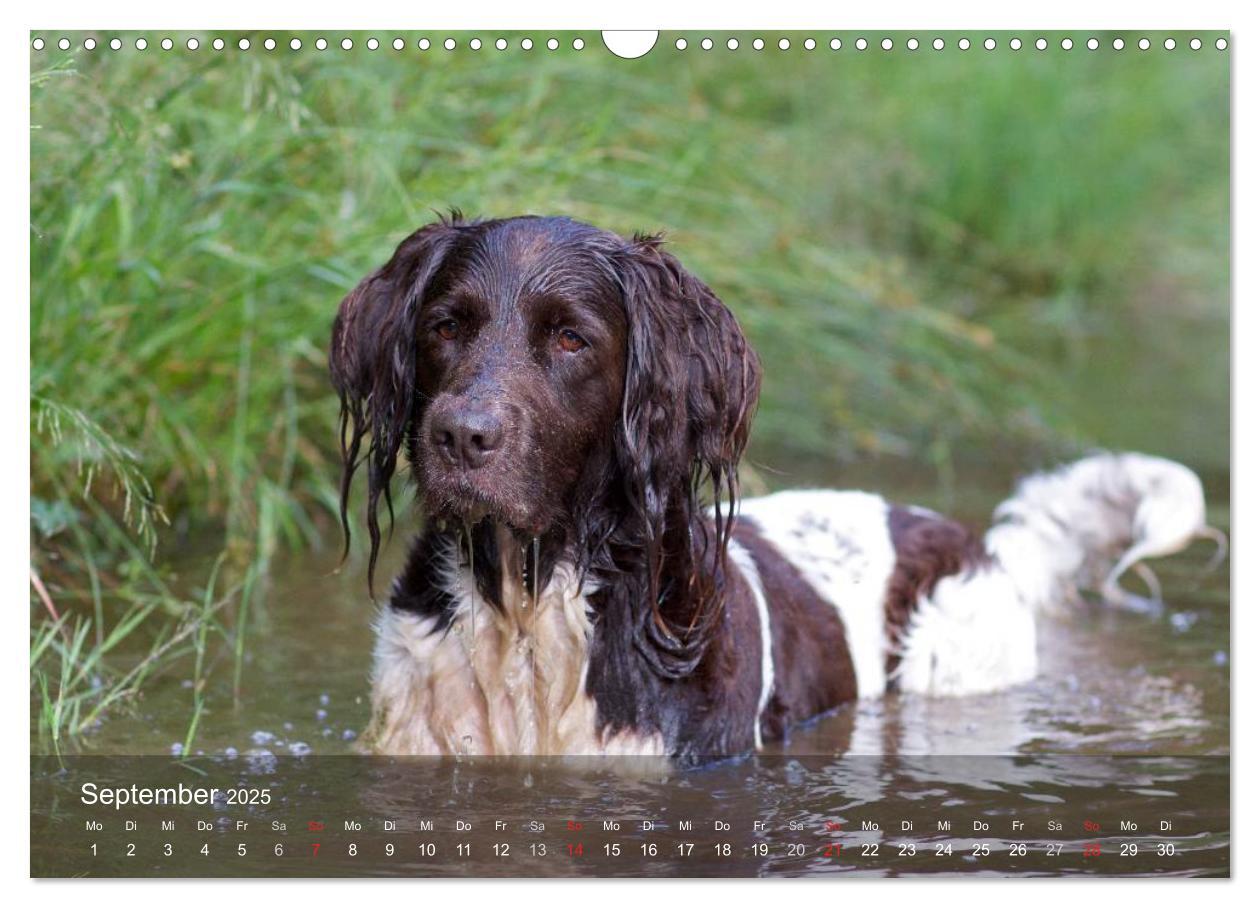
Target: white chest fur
(508, 681)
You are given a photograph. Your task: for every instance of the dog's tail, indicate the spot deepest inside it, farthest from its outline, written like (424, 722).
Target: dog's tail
(1084, 525)
(1081, 527)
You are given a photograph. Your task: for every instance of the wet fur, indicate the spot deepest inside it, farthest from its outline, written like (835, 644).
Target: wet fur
(577, 591)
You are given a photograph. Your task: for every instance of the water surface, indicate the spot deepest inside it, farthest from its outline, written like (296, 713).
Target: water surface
(1129, 717)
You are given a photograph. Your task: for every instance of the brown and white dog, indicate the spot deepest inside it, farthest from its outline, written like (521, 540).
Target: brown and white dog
(565, 397)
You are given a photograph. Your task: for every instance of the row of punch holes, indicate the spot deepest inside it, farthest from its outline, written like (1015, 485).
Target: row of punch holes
(450, 44)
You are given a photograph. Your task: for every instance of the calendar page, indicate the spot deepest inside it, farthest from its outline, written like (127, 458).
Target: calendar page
(653, 454)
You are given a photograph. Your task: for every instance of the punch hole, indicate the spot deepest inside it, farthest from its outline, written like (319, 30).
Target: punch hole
(578, 44)
(758, 44)
(527, 44)
(423, 44)
(938, 44)
(1092, 44)
(1066, 44)
(115, 44)
(836, 44)
(38, 44)
(810, 43)
(552, 44)
(192, 44)
(886, 44)
(141, 44)
(243, 44)
(1118, 44)
(989, 44)
(321, 44)
(63, 44)
(500, 44)
(270, 44)
(373, 44)
(90, 44)
(1144, 44)
(449, 44)
(1042, 44)
(1195, 44)
(399, 44)
(295, 44)
(1016, 44)
(706, 44)
(732, 44)
(964, 43)
(784, 44)
(681, 44)
(167, 44)
(475, 44)
(860, 44)
(346, 44)
(913, 44)
(1170, 44)
(1221, 44)
(219, 44)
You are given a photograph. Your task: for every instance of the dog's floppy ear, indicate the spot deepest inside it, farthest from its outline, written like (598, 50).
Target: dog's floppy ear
(372, 361)
(691, 389)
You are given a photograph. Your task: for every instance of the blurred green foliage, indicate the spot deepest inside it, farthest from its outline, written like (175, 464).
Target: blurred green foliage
(937, 254)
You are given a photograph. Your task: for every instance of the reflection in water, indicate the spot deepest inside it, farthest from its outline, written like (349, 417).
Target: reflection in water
(1110, 682)
(1077, 705)
(764, 815)
(1152, 687)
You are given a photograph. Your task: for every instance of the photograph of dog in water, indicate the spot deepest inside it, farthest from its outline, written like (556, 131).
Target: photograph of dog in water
(797, 403)
(443, 441)
(565, 398)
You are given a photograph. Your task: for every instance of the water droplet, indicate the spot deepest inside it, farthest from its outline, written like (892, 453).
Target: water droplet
(261, 761)
(525, 582)
(535, 572)
(1182, 621)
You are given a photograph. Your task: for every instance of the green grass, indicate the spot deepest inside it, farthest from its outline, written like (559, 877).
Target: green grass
(935, 253)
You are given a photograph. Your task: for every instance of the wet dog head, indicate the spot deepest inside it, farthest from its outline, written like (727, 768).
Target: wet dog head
(552, 377)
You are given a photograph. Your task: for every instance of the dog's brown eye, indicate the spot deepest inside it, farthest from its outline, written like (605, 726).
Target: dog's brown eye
(447, 329)
(570, 341)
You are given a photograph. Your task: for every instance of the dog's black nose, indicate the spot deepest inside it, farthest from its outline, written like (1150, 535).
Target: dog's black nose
(467, 435)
